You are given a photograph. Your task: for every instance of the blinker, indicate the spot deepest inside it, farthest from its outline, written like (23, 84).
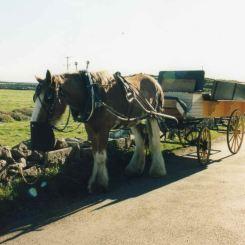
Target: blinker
(37, 92)
(42, 136)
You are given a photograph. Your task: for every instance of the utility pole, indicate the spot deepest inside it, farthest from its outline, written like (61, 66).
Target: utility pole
(67, 63)
(87, 64)
(76, 63)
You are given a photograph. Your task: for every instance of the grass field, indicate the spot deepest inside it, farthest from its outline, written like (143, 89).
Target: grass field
(14, 99)
(12, 133)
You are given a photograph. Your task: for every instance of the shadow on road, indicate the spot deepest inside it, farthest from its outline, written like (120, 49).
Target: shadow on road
(121, 188)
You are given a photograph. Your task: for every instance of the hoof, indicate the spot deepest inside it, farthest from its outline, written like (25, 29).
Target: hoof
(130, 172)
(97, 188)
(158, 172)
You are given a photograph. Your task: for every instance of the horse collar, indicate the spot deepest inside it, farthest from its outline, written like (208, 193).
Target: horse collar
(93, 99)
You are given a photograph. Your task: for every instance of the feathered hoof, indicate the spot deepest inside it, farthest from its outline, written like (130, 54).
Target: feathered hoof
(97, 188)
(132, 172)
(157, 172)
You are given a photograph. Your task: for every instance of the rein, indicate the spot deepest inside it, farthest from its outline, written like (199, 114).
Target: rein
(140, 99)
(49, 112)
(131, 95)
(95, 101)
(66, 125)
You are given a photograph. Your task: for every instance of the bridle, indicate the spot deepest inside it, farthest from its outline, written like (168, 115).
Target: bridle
(52, 96)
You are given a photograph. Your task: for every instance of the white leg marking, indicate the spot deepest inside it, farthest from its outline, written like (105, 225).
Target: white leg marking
(99, 173)
(37, 108)
(158, 165)
(137, 163)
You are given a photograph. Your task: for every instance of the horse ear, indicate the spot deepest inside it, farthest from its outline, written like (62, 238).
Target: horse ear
(48, 76)
(40, 80)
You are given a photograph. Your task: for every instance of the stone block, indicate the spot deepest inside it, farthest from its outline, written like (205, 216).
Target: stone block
(3, 169)
(120, 143)
(60, 144)
(20, 150)
(36, 157)
(57, 157)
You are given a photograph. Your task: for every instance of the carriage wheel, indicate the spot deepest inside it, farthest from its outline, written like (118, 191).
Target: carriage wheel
(235, 131)
(181, 135)
(187, 136)
(204, 145)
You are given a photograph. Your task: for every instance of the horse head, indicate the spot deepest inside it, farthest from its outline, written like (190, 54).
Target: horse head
(48, 98)
(49, 106)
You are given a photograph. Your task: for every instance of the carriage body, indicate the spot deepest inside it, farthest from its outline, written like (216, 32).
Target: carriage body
(202, 106)
(187, 96)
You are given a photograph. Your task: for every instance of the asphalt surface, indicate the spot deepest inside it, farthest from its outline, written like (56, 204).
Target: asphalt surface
(192, 205)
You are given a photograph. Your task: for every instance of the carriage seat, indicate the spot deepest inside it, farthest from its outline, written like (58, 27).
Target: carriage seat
(225, 90)
(175, 106)
(182, 104)
(182, 90)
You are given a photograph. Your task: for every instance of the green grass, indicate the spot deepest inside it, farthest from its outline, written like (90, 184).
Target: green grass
(12, 133)
(14, 99)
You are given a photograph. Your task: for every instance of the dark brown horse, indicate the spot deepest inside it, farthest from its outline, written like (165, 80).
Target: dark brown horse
(105, 103)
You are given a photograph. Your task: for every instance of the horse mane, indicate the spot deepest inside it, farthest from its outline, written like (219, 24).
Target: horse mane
(135, 74)
(103, 77)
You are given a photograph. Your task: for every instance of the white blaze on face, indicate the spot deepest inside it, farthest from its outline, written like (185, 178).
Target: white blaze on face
(37, 108)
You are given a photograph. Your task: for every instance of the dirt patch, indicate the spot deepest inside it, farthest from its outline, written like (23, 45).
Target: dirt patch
(22, 114)
(25, 111)
(5, 117)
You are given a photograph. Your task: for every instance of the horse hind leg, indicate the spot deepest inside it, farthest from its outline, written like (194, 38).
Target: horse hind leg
(157, 165)
(137, 163)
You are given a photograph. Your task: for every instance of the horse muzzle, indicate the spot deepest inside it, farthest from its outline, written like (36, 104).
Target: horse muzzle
(42, 136)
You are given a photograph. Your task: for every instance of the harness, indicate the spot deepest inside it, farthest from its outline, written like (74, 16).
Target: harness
(133, 94)
(94, 101)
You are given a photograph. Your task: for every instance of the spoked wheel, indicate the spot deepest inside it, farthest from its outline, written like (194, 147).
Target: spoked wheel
(170, 136)
(187, 136)
(235, 131)
(204, 145)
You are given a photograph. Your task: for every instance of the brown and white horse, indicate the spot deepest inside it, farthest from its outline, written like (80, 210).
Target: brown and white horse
(72, 90)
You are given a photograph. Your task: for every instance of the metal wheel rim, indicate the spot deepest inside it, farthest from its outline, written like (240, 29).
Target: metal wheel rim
(204, 146)
(235, 131)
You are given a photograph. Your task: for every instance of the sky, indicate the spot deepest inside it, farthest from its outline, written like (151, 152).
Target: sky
(122, 35)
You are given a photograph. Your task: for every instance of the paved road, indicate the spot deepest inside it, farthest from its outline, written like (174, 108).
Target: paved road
(192, 205)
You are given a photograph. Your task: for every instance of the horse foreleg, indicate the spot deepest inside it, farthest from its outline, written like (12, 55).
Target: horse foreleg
(99, 174)
(137, 163)
(158, 165)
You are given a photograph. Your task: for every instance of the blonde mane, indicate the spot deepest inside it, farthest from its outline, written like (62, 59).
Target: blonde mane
(103, 77)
